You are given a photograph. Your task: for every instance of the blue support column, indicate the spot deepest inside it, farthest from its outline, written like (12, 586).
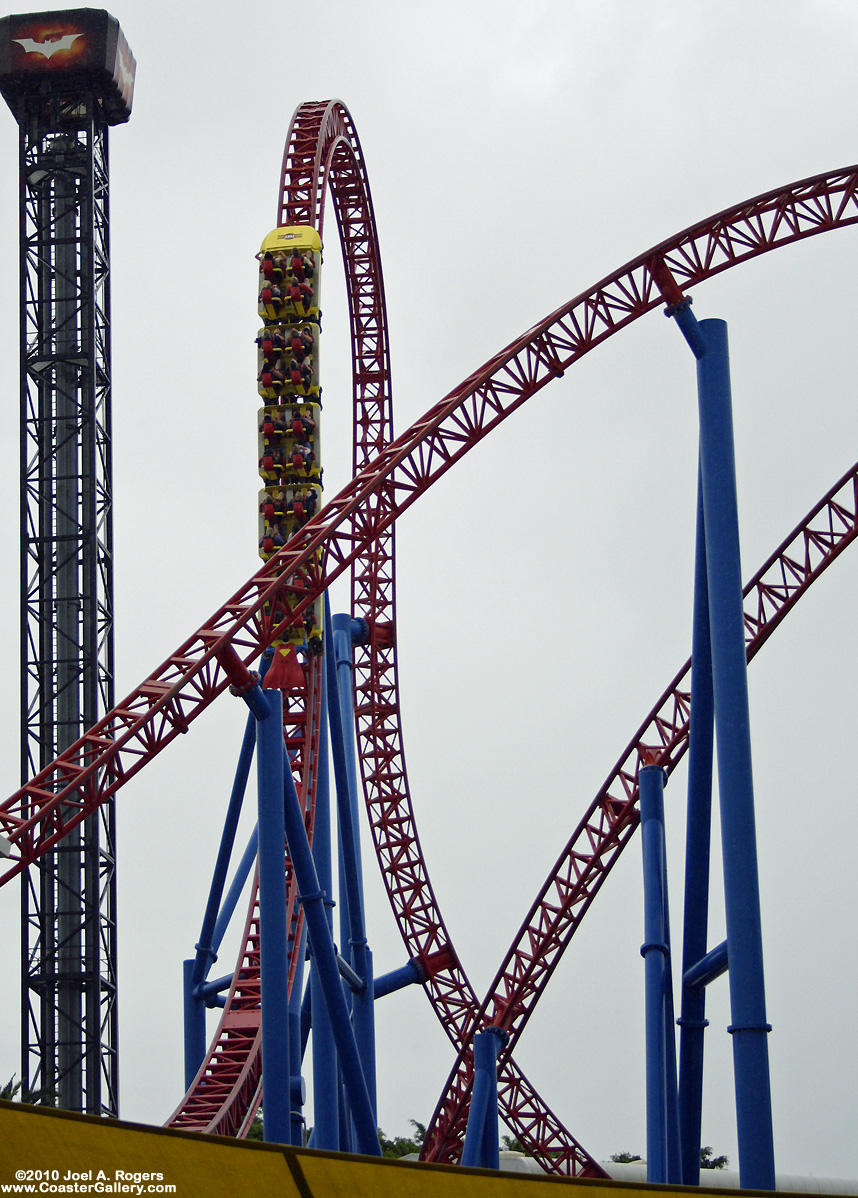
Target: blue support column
(692, 1020)
(306, 1018)
(363, 1019)
(206, 953)
(324, 956)
(207, 945)
(412, 974)
(708, 340)
(363, 1003)
(674, 1156)
(274, 973)
(708, 968)
(326, 1086)
(662, 1146)
(212, 991)
(339, 679)
(481, 1149)
(297, 1088)
(347, 1130)
(343, 895)
(275, 1047)
(195, 1024)
(248, 859)
(342, 640)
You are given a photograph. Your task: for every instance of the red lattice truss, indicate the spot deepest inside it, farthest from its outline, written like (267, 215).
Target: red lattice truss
(354, 531)
(612, 817)
(227, 1091)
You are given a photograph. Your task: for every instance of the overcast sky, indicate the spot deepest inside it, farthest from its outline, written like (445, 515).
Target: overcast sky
(545, 584)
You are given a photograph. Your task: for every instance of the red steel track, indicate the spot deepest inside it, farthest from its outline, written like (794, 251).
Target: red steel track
(227, 1091)
(355, 531)
(612, 817)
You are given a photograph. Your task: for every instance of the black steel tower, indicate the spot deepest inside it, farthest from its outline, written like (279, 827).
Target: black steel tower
(66, 76)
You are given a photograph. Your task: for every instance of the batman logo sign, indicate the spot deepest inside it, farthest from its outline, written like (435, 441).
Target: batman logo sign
(48, 49)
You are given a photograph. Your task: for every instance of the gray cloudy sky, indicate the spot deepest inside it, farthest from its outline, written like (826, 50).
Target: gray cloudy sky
(544, 586)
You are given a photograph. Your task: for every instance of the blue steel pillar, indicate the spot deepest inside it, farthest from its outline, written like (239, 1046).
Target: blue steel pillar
(274, 971)
(481, 1148)
(674, 1158)
(297, 1086)
(661, 1120)
(194, 1026)
(326, 1085)
(708, 341)
(341, 626)
(692, 1020)
(342, 739)
(196, 970)
(412, 974)
(339, 679)
(242, 873)
(322, 947)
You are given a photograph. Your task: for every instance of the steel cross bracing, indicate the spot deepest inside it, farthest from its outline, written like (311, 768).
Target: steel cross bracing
(227, 1091)
(69, 1016)
(189, 680)
(612, 817)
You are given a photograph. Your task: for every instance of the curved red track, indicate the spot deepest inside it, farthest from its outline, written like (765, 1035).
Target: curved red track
(612, 817)
(227, 1091)
(355, 531)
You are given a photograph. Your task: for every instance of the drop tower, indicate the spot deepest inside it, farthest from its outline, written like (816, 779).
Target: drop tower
(67, 77)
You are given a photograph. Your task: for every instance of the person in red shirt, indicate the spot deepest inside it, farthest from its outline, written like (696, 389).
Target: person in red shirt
(296, 345)
(298, 430)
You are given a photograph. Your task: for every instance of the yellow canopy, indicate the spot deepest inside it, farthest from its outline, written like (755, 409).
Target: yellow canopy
(302, 237)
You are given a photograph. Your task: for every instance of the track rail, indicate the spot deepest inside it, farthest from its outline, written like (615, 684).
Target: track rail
(114, 750)
(325, 146)
(323, 154)
(227, 1091)
(389, 476)
(611, 819)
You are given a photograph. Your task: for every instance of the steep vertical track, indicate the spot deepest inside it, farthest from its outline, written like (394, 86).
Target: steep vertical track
(323, 153)
(227, 1091)
(355, 531)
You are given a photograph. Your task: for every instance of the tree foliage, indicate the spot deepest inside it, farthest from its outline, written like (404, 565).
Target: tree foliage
(512, 1144)
(14, 1091)
(256, 1129)
(402, 1145)
(708, 1161)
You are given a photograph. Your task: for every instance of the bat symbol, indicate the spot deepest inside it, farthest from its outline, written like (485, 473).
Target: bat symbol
(127, 76)
(47, 49)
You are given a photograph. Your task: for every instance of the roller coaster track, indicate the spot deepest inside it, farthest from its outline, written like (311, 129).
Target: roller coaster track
(355, 531)
(227, 1091)
(612, 817)
(322, 152)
